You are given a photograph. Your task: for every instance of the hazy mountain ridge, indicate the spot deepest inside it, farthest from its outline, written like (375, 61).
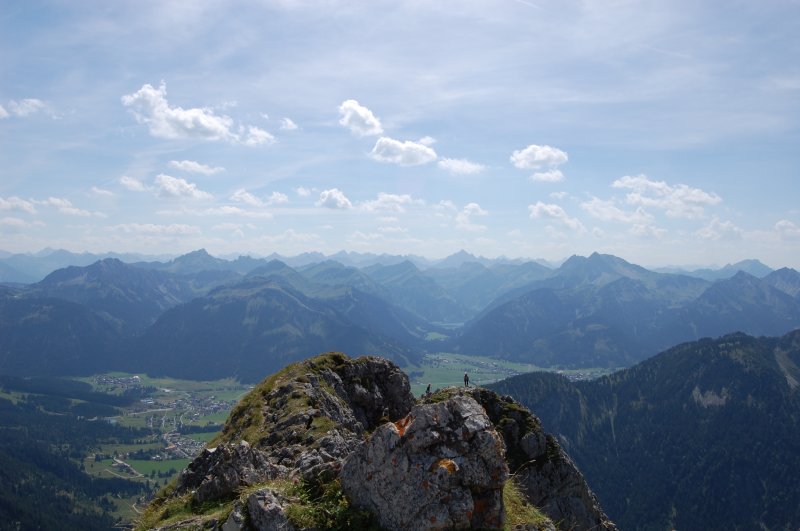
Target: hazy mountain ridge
(602, 310)
(598, 311)
(704, 435)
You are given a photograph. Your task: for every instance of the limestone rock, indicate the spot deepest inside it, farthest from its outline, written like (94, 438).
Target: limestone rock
(441, 467)
(547, 476)
(220, 472)
(267, 512)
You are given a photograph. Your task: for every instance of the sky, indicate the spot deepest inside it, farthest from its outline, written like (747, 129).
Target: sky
(666, 133)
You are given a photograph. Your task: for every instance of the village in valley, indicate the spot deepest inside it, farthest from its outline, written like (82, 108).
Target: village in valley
(180, 416)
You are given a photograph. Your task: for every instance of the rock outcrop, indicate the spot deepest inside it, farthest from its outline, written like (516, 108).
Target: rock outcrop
(334, 442)
(543, 471)
(441, 467)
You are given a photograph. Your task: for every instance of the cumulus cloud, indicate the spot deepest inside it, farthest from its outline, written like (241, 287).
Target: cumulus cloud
(302, 191)
(427, 141)
(258, 137)
(647, 231)
(172, 187)
(18, 204)
(787, 230)
(406, 153)
(720, 230)
(390, 203)
(3, 113)
(679, 201)
(609, 211)
(132, 184)
(149, 106)
(277, 198)
(288, 125)
(27, 106)
(333, 198)
(464, 218)
(544, 160)
(550, 176)
(243, 196)
(359, 119)
(552, 211)
(14, 225)
(101, 192)
(461, 166)
(65, 206)
(191, 166)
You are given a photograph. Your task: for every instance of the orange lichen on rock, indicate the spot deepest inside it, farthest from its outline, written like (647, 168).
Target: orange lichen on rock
(447, 464)
(402, 424)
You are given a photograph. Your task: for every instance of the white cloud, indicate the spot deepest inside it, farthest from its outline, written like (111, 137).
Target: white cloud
(550, 176)
(720, 230)
(17, 203)
(302, 191)
(545, 158)
(359, 119)
(647, 231)
(243, 196)
(27, 106)
(390, 203)
(680, 201)
(464, 218)
(149, 106)
(3, 113)
(65, 207)
(101, 192)
(132, 184)
(195, 167)
(153, 229)
(427, 141)
(406, 153)
(169, 187)
(787, 230)
(288, 125)
(333, 198)
(446, 205)
(608, 211)
(277, 198)
(552, 211)
(461, 166)
(12, 225)
(258, 137)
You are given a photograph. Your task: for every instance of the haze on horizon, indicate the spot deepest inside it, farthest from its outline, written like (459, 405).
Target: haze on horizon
(663, 133)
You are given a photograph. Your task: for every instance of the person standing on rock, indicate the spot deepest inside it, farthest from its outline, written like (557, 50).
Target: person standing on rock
(466, 380)
(428, 390)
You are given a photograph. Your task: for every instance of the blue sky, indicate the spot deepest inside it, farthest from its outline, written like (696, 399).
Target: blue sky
(662, 132)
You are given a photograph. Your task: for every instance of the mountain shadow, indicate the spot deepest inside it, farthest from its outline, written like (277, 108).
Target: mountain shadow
(705, 435)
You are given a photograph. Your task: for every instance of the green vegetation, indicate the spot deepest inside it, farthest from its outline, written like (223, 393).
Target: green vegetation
(95, 447)
(444, 369)
(702, 436)
(325, 507)
(246, 420)
(518, 510)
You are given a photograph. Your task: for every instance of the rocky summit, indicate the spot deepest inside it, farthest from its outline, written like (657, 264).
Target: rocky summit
(340, 443)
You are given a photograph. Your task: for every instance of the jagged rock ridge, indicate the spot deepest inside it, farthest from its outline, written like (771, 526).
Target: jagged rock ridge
(334, 442)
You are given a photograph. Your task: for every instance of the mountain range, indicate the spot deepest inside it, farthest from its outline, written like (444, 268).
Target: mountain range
(185, 315)
(705, 435)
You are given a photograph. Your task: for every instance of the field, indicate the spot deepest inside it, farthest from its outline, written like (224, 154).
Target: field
(445, 369)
